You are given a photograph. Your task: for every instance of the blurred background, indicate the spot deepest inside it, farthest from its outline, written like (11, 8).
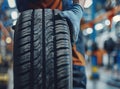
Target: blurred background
(101, 33)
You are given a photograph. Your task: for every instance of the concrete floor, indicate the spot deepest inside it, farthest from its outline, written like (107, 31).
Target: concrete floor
(105, 76)
(99, 85)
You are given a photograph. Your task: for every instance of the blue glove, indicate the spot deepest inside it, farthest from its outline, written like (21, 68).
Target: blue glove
(73, 16)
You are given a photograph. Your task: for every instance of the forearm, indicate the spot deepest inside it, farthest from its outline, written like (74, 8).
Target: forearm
(80, 2)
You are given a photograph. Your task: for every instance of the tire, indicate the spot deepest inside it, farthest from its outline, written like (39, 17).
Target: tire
(42, 51)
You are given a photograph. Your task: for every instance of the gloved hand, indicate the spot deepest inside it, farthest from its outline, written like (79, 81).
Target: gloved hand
(73, 16)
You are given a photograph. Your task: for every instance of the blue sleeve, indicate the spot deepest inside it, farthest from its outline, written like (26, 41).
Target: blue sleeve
(73, 15)
(67, 4)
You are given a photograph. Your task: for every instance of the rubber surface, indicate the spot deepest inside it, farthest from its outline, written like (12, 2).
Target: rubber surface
(42, 51)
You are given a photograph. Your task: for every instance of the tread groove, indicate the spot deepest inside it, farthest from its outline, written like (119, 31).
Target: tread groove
(32, 53)
(55, 52)
(43, 50)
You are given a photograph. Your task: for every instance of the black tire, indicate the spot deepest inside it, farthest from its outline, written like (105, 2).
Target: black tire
(42, 51)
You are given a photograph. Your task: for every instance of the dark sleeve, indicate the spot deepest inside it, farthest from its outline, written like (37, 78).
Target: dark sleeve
(23, 5)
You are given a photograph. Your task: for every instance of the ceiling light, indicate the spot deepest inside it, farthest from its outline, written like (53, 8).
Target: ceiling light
(14, 15)
(99, 26)
(11, 3)
(107, 22)
(88, 3)
(8, 40)
(89, 30)
(116, 18)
